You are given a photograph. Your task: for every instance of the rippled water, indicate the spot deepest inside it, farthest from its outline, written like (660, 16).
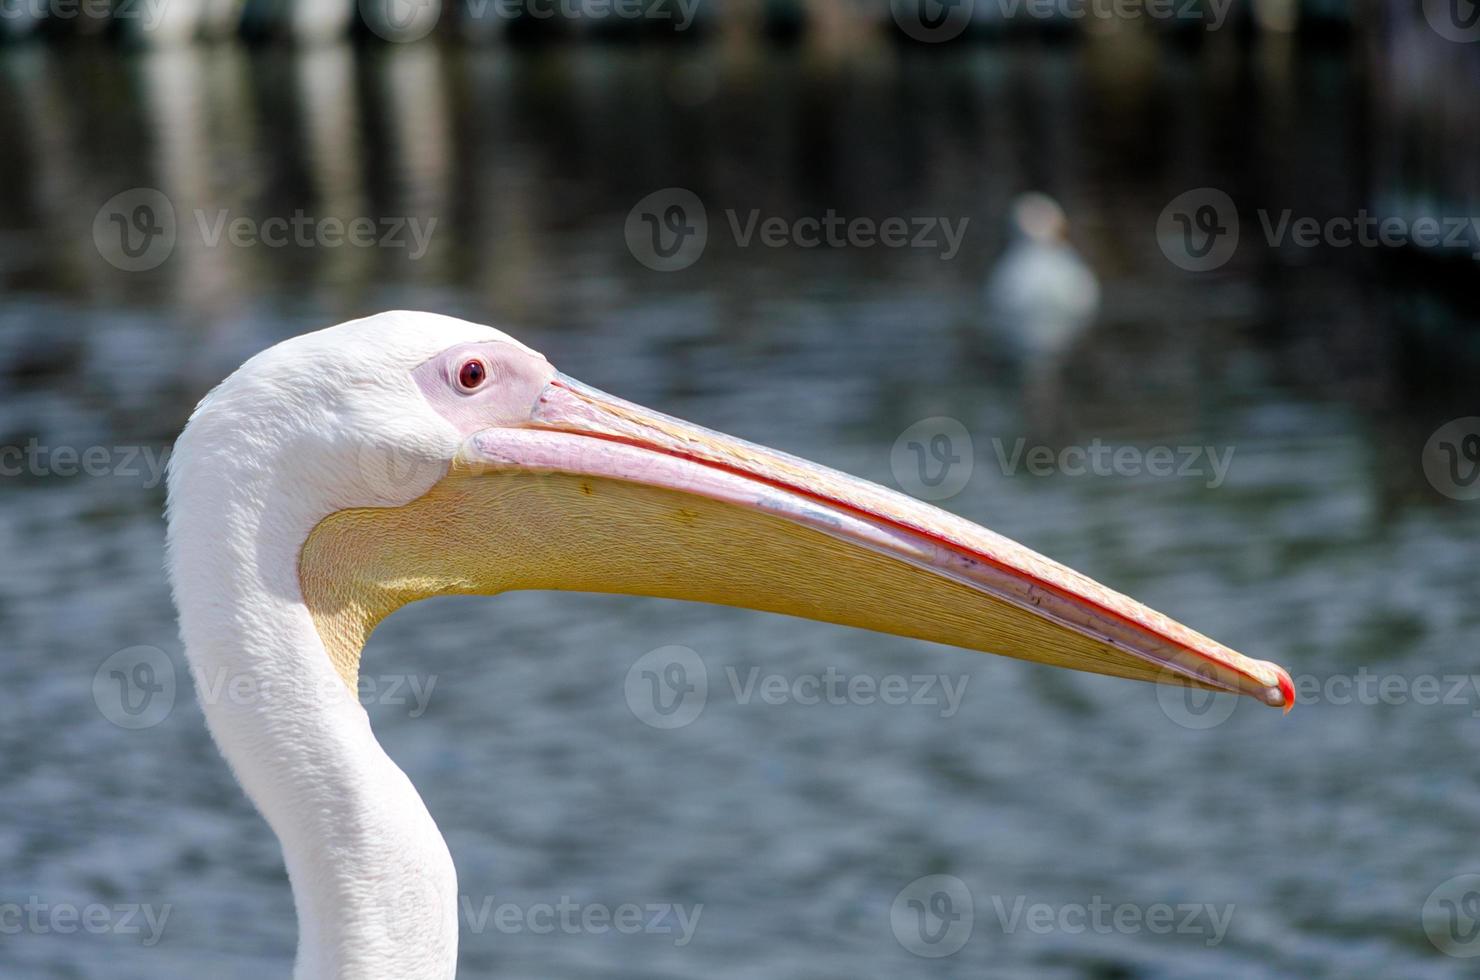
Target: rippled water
(795, 826)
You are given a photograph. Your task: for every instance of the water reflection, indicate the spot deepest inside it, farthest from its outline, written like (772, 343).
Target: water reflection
(526, 163)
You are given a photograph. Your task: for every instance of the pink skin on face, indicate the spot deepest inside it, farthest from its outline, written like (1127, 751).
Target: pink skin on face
(512, 384)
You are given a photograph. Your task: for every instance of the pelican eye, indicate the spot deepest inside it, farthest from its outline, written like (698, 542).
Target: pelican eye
(471, 374)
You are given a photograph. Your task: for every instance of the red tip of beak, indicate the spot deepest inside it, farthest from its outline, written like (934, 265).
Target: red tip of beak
(1287, 689)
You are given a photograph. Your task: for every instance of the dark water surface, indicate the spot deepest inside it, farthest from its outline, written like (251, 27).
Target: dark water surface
(794, 825)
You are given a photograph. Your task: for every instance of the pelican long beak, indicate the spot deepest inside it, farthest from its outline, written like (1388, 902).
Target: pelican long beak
(597, 494)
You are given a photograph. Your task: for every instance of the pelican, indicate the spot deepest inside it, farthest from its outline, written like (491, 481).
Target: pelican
(1040, 294)
(342, 474)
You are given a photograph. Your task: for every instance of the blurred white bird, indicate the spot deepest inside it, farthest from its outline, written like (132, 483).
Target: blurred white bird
(1041, 294)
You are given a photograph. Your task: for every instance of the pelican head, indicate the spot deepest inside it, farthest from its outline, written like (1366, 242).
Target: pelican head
(1039, 218)
(345, 473)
